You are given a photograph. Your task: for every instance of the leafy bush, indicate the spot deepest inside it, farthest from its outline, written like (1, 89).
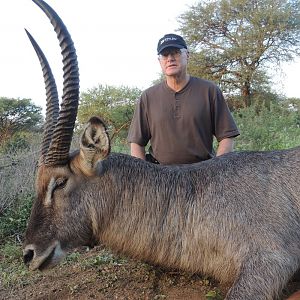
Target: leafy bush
(18, 142)
(114, 104)
(13, 222)
(120, 144)
(270, 128)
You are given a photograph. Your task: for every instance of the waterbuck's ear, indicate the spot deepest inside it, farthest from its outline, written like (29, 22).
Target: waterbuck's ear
(94, 144)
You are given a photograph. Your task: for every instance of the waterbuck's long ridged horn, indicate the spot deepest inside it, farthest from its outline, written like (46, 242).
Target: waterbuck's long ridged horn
(62, 136)
(52, 106)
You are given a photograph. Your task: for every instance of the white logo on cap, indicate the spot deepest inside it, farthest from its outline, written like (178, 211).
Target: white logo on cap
(168, 39)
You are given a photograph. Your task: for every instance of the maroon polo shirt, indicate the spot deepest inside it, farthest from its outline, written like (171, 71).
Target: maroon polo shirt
(180, 125)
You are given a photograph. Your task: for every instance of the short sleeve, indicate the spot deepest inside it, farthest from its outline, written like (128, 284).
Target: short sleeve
(139, 131)
(224, 124)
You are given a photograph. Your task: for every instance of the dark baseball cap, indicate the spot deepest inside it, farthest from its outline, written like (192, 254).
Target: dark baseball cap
(170, 40)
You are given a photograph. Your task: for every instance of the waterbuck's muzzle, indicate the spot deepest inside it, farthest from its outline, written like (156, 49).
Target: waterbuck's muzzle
(41, 260)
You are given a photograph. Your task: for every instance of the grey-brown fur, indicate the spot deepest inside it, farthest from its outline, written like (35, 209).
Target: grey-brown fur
(236, 217)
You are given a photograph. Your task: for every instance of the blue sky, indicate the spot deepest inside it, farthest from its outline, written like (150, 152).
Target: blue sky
(115, 41)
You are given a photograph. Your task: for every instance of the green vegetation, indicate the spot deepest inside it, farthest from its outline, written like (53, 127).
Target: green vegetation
(12, 270)
(268, 129)
(14, 219)
(214, 294)
(114, 104)
(18, 117)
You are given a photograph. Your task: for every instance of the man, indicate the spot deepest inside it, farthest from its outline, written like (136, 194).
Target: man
(181, 115)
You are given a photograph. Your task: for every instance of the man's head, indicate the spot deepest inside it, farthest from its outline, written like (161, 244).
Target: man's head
(170, 41)
(173, 55)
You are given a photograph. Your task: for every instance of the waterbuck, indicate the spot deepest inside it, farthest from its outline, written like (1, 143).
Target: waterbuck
(235, 217)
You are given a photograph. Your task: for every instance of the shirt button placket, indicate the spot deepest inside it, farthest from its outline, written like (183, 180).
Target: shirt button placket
(177, 106)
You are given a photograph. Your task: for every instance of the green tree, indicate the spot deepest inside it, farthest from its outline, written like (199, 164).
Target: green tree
(18, 115)
(114, 104)
(233, 42)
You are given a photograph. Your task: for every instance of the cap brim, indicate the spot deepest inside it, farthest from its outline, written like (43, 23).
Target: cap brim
(171, 46)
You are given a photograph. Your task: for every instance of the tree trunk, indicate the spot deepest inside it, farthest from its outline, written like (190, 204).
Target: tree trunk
(246, 94)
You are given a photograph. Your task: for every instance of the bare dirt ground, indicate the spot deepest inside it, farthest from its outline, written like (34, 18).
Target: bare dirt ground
(97, 274)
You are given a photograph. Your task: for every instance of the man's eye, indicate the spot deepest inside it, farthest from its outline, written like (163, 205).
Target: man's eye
(171, 52)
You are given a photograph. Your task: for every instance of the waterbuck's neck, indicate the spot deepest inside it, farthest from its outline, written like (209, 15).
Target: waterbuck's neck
(139, 206)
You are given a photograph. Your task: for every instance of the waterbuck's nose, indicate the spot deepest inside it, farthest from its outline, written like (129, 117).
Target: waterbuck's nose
(28, 256)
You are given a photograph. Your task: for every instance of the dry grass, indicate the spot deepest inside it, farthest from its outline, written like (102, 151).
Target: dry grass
(17, 175)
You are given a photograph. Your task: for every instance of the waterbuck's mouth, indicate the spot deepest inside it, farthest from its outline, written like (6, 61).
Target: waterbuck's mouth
(47, 262)
(49, 258)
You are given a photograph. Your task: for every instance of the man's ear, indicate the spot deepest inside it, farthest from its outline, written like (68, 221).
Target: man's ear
(187, 54)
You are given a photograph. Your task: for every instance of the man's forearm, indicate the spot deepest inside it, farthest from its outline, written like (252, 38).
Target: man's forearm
(225, 146)
(137, 151)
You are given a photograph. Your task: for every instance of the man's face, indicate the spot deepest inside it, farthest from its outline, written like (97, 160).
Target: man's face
(173, 61)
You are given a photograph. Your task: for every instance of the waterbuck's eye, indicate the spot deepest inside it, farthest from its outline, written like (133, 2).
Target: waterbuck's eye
(60, 182)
